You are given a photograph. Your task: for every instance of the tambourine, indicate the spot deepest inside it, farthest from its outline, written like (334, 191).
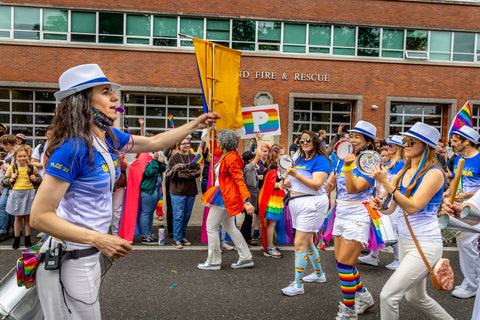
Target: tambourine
(367, 160)
(285, 162)
(343, 148)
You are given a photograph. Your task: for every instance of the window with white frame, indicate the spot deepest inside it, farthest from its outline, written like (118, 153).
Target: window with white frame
(476, 116)
(404, 115)
(320, 114)
(155, 108)
(27, 111)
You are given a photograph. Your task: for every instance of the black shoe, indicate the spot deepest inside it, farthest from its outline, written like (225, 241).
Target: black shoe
(16, 243)
(149, 240)
(28, 242)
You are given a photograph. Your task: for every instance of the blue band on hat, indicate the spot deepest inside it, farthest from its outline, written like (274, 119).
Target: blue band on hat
(369, 134)
(96, 80)
(472, 139)
(421, 137)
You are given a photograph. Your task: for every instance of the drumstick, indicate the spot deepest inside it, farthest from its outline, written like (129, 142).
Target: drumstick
(456, 180)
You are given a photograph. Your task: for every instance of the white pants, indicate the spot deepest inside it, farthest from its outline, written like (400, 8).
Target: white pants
(467, 243)
(117, 206)
(219, 216)
(81, 282)
(476, 306)
(409, 280)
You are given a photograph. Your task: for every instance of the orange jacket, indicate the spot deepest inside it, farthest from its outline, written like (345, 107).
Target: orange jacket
(232, 186)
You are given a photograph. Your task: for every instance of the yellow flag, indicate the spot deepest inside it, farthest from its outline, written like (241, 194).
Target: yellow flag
(219, 69)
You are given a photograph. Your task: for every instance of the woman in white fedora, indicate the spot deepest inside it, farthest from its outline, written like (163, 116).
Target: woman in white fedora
(394, 164)
(74, 203)
(418, 190)
(351, 227)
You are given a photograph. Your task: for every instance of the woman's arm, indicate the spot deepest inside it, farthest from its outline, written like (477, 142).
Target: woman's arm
(331, 182)
(318, 178)
(430, 185)
(353, 185)
(165, 139)
(43, 217)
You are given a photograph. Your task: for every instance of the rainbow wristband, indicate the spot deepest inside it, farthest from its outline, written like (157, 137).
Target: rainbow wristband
(348, 168)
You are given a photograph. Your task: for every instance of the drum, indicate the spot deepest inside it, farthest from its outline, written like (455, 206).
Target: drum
(368, 159)
(389, 235)
(343, 148)
(285, 162)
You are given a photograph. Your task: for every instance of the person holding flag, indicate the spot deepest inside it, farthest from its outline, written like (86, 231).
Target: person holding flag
(465, 142)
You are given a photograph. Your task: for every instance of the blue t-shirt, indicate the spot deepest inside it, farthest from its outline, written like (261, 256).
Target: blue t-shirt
(306, 168)
(395, 169)
(470, 173)
(354, 211)
(88, 201)
(424, 222)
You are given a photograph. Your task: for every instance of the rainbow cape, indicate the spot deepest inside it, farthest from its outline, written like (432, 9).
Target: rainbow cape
(27, 266)
(128, 222)
(159, 207)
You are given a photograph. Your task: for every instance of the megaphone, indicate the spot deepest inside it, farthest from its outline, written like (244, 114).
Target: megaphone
(470, 213)
(448, 222)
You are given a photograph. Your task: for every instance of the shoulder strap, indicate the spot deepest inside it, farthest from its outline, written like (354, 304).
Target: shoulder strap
(430, 270)
(108, 159)
(31, 170)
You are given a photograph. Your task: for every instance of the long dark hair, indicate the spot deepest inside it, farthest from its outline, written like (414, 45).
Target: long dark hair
(272, 157)
(317, 145)
(73, 119)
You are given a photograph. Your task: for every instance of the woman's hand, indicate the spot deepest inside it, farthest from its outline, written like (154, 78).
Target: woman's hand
(112, 246)
(206, 119)
(379, 173)
(259, 137)
(350, 159)
(375, 203)
(292, 172)
(33, 178)
(249, 208)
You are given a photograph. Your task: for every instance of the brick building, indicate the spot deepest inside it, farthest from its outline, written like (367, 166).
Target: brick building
(324, 62)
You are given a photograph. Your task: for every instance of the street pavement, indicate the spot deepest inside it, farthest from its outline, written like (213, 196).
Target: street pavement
(160, 282)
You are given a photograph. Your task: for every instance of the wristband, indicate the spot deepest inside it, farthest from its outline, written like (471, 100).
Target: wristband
(246, 201)
(348, 168)
(396, 188)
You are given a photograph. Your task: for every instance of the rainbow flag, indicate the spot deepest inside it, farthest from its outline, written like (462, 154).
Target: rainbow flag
(170, 120)
(159, 207)
(198, 159)
(268, 120)
(463, 118)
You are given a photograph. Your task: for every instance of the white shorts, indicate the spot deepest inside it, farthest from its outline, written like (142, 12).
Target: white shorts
(352, 230)
(308, 213)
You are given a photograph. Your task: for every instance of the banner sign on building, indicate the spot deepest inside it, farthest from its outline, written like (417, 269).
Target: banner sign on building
(265, 119)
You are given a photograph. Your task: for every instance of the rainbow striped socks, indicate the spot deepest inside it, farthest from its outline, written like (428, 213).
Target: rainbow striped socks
(360, 288)
(300, 264)
(348, 283)
(315, 259)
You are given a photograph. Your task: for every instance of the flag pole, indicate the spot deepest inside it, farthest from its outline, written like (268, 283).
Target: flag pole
(212, 109)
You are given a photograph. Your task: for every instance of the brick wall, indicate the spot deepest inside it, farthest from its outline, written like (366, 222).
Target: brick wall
(376, 12)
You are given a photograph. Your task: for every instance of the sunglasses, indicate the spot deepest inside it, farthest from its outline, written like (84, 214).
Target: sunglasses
(305, 141)
(409, 142)
(390, 145)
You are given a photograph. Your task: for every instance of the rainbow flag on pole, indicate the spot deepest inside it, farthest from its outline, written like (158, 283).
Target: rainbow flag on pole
(170, 120)
(198, 159)
(463, 118)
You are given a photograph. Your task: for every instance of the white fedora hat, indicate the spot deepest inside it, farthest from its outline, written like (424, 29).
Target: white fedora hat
(398, 140)
(425, 133)
(468, 133)
(80, 78)
(365, 128)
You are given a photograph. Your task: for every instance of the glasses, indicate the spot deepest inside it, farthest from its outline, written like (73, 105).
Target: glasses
(409, 142)
(185, 143)
(305, 141)
(390, 145)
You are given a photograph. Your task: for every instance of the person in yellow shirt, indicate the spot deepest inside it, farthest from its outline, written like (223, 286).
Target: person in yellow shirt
(21, 177)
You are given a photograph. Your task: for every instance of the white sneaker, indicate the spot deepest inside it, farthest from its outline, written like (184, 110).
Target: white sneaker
(208, 266)
(345, 313)
(462, 293)
(363, 301)
(314, 278)
(227, 247)
(242, 264)
(369, 260)
(393, 265)
(40, 235)
(293, 290)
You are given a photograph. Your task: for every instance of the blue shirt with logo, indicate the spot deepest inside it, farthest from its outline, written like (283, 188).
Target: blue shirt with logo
(470, 173)
(88, 201)
(306, 168)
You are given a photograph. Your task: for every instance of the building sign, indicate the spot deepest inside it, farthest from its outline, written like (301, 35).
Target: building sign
(265, 119)
(295, 76)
